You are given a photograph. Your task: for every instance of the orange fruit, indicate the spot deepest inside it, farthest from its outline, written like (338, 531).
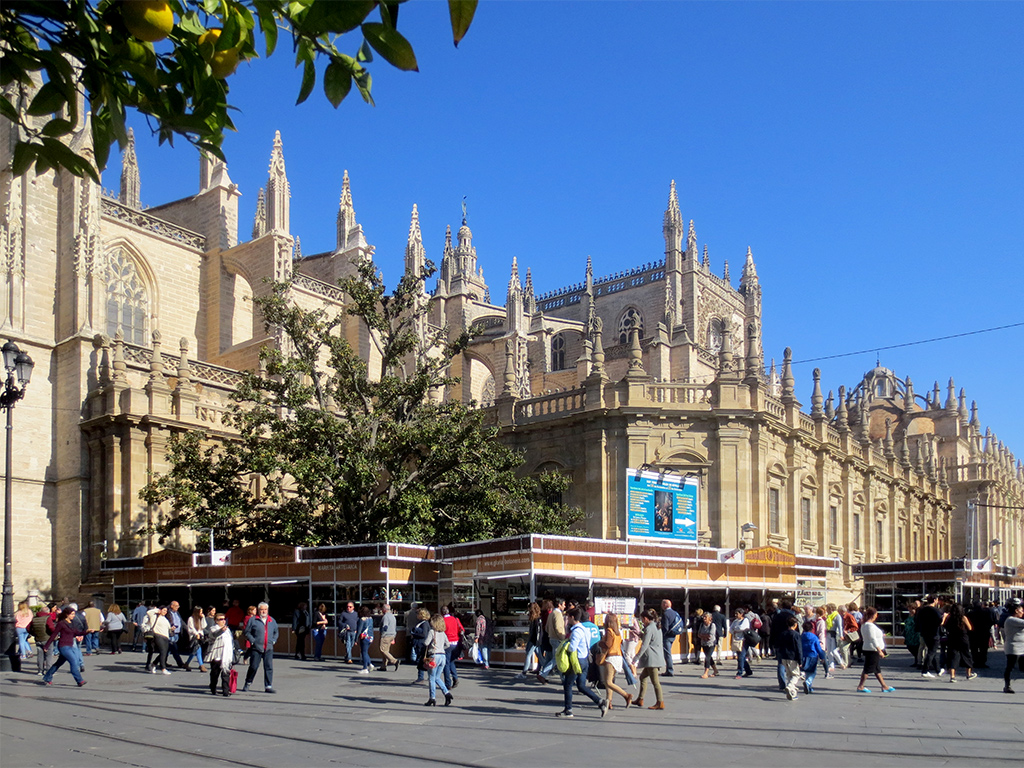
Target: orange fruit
(148, 20)
(222, 63)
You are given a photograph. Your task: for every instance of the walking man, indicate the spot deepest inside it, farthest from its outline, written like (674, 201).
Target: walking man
(138, 616)
(301, 623)
(175, 620)
(672, 625)
(348, 620)
(388, 633)
(579, 647)
(262, 632)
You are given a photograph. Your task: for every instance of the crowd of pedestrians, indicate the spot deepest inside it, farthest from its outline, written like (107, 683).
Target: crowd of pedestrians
(562, 638)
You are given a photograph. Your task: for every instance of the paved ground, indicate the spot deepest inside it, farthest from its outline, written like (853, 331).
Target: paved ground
(325, 714)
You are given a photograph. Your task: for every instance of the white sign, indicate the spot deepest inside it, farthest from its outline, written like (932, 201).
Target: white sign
(622, 606)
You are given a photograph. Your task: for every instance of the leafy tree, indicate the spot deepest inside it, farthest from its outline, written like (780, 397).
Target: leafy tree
(171, 60)
(329, 454)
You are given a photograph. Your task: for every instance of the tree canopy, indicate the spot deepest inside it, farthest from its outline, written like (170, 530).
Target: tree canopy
(171, 60)
(328, 453)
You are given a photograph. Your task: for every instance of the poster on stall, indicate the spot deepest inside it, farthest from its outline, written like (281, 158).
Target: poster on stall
(623, 607)
(661, 506)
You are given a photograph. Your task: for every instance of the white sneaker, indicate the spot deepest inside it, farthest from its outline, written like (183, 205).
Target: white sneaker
(942, 672)
(927, 674)
(167, 671)
(364, 671)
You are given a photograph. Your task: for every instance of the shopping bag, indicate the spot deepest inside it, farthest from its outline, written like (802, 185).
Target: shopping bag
(233, 681)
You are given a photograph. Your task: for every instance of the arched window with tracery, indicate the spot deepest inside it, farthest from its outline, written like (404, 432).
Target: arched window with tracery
(716, 331)
(127, 299)
(558, 352)
(630, 319)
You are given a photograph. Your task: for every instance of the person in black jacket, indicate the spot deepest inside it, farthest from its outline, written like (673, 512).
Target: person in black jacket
(980, 633)
(671, 626)
(780, 625)
(928, 619)
(789, 652)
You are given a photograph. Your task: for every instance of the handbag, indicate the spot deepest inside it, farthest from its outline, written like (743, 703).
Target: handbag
(233, 681)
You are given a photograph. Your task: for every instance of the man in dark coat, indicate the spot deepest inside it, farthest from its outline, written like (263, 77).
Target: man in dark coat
(928, 620)
(780, 625)
(981, 630)
(671, 626)
(262, 632)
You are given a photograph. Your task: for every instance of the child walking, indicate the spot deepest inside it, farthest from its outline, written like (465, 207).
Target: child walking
(811, 646)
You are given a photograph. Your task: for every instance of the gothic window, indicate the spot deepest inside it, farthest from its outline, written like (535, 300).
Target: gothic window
(833, 524)
(856, 531)
(716, 330)
(631, 319)
(487, 392)
(558, 352)
(879, 536)
(127, 299)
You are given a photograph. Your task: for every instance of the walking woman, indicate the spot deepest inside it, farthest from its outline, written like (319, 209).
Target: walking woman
(533, 642)
(319, 631)
(874, 652)
(22, 621)
(114, 625)
(419, 642)
(611, 643)
(364, 631)
(738, 630)
(707, 636)
(911, 637)
(958, 642)
(483, 639)
(435, 650)
(196, 628)
(156, 623)
(1013, 643)
(65, 635)
(651, 658)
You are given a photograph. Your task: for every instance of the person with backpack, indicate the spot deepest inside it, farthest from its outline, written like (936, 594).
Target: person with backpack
(708, 636)
(810, 644)
(671, 626)
(572, 658)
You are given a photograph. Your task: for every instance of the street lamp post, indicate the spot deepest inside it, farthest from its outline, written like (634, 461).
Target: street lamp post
(19, 370)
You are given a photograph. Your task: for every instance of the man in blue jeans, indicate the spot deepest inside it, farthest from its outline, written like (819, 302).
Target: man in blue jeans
(579, 644)
(347, 622)
(671, 626)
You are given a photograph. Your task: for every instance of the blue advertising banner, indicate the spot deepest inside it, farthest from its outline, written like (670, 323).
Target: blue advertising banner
(661, 506)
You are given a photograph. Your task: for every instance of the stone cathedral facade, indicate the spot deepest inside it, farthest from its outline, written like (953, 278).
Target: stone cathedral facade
(139, 319)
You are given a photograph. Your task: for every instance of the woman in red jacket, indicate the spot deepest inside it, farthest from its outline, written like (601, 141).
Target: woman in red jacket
(65, 634)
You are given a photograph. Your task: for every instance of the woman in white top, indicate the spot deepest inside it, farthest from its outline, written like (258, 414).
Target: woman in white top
(157, 625)
(114, 624)
(874, 651)
(738, 630)
(435, 647)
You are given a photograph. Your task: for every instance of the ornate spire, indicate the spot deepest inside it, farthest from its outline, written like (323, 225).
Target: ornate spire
(259, 223)
(691, 243)
(349, 232)
(975, 422)
(415, 253)
(788, 394)
(842, 415)
(673, 218)
(817, 411)
(936, 395)
(725, 272)
(908, 399)
(298, 249)
(278, 191)
(887, 440)
(830, 408)
(748, 279)
(529, 297)
(707, 261)
(962, 409)
(130, 182)
(672, 228)
(951, 403)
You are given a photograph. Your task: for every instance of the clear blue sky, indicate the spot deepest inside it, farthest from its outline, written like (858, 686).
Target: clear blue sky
(871, 155)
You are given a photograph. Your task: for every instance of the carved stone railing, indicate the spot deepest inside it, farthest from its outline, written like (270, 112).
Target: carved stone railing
(319, 287)
(774, 407)
(117, 210)
(680, 394)
(806, 423)
(139, 357)
(707, 356)
(550, 405)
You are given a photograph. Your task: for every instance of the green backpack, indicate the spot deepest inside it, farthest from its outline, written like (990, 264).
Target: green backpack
(565, 659)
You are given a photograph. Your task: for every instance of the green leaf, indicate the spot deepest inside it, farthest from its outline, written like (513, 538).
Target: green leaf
(268, 23)
(337, 82)
(365, 52)
(48, 99)
(24, 156)
(308, 80)
(7, 109)
(461, 14)
(390, 44)
(58, 127)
